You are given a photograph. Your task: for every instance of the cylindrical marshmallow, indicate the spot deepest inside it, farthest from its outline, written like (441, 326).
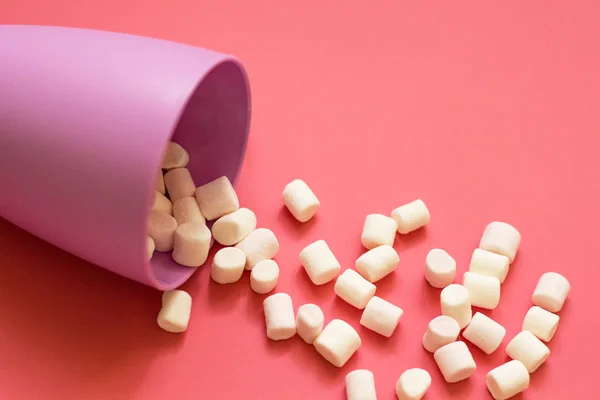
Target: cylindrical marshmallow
(551, 291)
(411, 216)
(300, 200)
(161, 228)
(160, 183)
(279, 316)
(161, 203)
(232, 228)
(260, 244)
(264, 276)
(484, 333)
(175, 156)
(455, 303)
(186, 209)
(381, 316)
(191, 244)
(541, 323)
(413, 384)
(377, 263)
(440, 268)
(378, 230)
(319, 262)
(360, 385)
(175, 312)
(149, 247)
(179, 183)
(337, 342)
(485, 262)
(309, 322)
(351, 287)
(455, 361)
(528, 349)
(228, 265)
(484, 291)
(501, 238)
(440, 331)
(217, 198)
(507, 380)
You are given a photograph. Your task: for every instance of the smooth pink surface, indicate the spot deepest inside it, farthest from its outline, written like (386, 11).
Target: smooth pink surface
(86, 116)
(487, 111)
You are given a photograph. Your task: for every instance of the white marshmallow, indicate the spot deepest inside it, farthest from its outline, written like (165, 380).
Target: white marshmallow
(541, 323)
(191, 244)
(413, 384)
(484, 291)
(484, 333)
(279, 316)
(377, 263)
(351, 287)
(485, 262)
(381, 316)
(260, 244)
(440, 268)
(300, 200)
(378, 230)
(360, 385)
(186, 209)
(411, 216)
(551, 291)
(161, 228)
(507, 380)
(501, 238)
(179, 183)
(528, 349)
(217, 198)
(161, 203)
(264, 276)
(455, 361)
(232, 228)
(149, 248)
(228, 265)
(174, 315)
(319, 262)
(455, 303)
(175, 156)
(337, 342)
(440, 331)
(309, 322)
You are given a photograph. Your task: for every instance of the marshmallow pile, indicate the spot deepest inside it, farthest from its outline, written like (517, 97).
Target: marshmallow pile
(178, 224)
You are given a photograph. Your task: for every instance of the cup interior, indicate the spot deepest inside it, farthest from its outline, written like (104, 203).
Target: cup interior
(213, 128)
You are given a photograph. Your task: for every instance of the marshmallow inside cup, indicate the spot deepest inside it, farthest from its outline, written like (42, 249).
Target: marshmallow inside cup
(213, 129)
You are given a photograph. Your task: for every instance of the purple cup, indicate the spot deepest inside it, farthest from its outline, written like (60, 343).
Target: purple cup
(85, 117)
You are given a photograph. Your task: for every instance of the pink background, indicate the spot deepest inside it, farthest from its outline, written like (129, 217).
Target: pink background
(486, 111)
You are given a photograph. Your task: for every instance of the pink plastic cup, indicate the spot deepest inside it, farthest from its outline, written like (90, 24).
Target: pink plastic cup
(85, 117)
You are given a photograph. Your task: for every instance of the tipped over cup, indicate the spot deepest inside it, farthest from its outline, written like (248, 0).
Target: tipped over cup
(85, 117)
